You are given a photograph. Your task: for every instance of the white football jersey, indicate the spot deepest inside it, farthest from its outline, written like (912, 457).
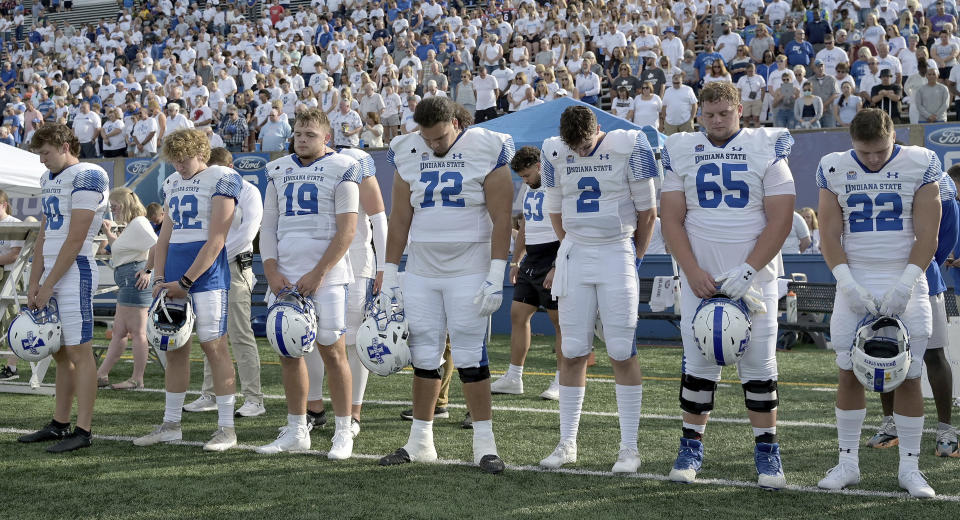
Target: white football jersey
(723, 185)
(878, 205)
(596, 204)
(81, 186)
(537, 228)
(367, 169)
(189, 202)
(446, 193)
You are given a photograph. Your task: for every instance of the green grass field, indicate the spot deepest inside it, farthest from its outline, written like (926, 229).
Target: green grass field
(115, 480)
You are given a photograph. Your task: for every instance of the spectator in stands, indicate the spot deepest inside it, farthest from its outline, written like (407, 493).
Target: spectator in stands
(407, 124)
(813, 226)
(728, 42)
(870, 79)
(846, 105)
(738, 65)
(464, 93)
(86, 126)
(233, 130)
(155, 214)
(372, 134)
(275, 133)
(679, 107)
(799, 238)
(647, 107)
(112, 134)
(784, 98)
(144, 136)
(808, 109)
(588, 83)
(886, 96)
(175, 120)
(9, 252)
(752, 88)
(944, 53)
(932, 99)
(799, 51)
(347, 125)
(824, 87)
(487, 91)
(130, 250)
(716, 72)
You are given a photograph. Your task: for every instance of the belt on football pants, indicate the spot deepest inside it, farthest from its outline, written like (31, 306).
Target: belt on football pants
(559, 288)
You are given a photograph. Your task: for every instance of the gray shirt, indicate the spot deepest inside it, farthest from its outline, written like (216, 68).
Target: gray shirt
(932, 100)
(825, 88)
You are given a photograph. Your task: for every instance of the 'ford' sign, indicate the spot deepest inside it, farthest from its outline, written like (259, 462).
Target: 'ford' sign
(137, 166)
(944, 140)
(249, 163)
(948, 136)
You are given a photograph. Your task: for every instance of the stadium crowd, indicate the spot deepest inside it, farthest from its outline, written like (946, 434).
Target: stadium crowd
(124, 84)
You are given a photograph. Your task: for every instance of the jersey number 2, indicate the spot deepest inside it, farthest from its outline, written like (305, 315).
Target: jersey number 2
(711, 194)
(886, 219)
(589, 201)
(433, 179)
(183, 211)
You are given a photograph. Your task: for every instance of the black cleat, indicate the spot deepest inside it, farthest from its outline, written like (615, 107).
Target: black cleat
(467, 423)
(492, 464)
(8, 374)
(47, 433)
(398, 457)
(71, 442)
(439, 412)
(316, 420)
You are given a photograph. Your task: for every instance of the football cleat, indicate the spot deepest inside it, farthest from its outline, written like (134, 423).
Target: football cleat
(467, 423)
(382, 338)
(35, 334)
(317, 419)
(404, 456)
(947, 443)
(915, 483)
(886, 436)
(74, 441)
(492, 464)
(769, 467)
(8, 374)
(564, 453)
(169, 322)
(291, 324)
(507, 385)
(628, 461)
(440, 412)
(689, 461)
(291, 439)
(342, 445)
(552, 393)
(721, 329)
(840, 476)
(166, 432)
(881, 353)
(354, 427)
(47, 433)
(250, 409)
(204, 403)
(222, 439)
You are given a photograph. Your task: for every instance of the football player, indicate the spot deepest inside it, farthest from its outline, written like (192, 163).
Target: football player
(602, 204)
(452, 196)
(534, 253)
(879, 214)
(190, 261)
(309, 220)
(74, 198)
(740, 178)
(367, 263)
(938, 368)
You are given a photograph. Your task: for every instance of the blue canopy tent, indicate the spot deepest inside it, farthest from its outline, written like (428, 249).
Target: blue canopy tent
(535, 124)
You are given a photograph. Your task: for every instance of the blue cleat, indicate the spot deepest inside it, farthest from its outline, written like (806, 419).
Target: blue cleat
(688, 463)
(769, 468)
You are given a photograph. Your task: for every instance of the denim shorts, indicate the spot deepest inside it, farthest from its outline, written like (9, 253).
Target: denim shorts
(125, 276)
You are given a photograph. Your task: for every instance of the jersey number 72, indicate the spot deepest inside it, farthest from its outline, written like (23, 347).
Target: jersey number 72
(452, 182)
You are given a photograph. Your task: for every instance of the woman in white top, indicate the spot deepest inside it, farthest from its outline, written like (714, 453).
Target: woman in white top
(716, 72)
(810, 216)
(517, 91)
(129, 252)
(114, 140)
(646, 107)
(372, 134)
(622, 104)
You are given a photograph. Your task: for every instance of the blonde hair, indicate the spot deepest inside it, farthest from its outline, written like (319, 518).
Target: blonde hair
(312, 115)
(186, 143)
(129, 202)
(720, 91)
(805, 212)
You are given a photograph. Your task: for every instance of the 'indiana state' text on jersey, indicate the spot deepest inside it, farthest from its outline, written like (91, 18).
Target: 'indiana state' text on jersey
(81, 186)
(724, 185)
(537, 227)
(878, 205)
(596, 202)
(449, 204)
(189, 203)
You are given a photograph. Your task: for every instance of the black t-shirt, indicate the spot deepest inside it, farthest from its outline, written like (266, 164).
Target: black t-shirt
(887, 105)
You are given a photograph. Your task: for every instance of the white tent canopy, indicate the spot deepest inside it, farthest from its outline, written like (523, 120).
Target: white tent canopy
(20, 172)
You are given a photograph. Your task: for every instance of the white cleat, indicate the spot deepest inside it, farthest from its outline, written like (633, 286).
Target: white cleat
(222, 440)
(565, 453)
(166, 432)
(204, 403)
(291, 439)
(354, 427)
(916, 484)
(342, 445)
(553, 392)
(628, 461)
(507, 385)
(840, 476)
(251, 409)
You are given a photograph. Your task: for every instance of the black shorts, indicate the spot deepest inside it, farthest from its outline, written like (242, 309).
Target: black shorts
(532, 272)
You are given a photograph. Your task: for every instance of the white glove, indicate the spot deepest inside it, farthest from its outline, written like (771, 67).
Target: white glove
(737, 282)
(895, 300)
(859, 298)
(390, 291)
(490, 294)
(754, 302)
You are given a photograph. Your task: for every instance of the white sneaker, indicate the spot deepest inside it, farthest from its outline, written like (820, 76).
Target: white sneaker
(222, 440)
(204, 403)
(166, 432)
(354, 427)
(290, 439)
(916, 484)
(342, 445)
(840, 476)
(250, 409)
(628, 461)
(565, 453)
(553, 392)
(507, 385)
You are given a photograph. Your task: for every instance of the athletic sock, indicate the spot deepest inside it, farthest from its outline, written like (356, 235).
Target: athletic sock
(909, 429)
(767, 435)
(483, 441)
(849, 426)
(693, 431)
(173, 410)
(225, 410)
(421, 435)
(296, 421)
(629, 401)
(341, 423)
(514, 371)
(358, 375)
(571, 402)
(80, 431)
(59, 425)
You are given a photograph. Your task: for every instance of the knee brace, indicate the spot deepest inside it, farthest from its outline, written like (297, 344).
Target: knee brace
(474, 374)
(696, 394)
(328, 337)
(427, 374)
(761, 396)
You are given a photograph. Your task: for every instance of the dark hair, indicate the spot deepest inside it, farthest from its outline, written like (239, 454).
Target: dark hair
(524, 158)
(55, 135)
(871, 124)
(440, 109)
(221, 156)
(577, 124)
(954, 172)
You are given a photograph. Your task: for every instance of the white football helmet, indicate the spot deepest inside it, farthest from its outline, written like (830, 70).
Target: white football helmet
(292, 324)
(169, 322)
(721, 329)
(382, 339)
(35, 334)
(881, 353)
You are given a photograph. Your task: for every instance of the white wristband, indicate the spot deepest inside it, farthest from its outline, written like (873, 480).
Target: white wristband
(910, 275)
(842, 273)
(497, 268)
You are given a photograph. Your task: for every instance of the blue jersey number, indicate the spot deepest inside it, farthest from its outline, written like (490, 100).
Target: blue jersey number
(589, 198)
(533, 206)
(888, 217)
(183, 212)
(307, 198)
(452, 186)
(711, 194)
(51, 209)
